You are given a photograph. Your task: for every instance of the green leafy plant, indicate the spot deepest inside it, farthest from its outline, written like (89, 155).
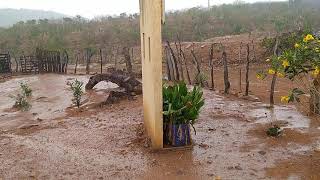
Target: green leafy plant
(274, 131)
(181, 106)
(76, 88)
(300, 56)
(26, 90)
(21, 99)
(21, 102)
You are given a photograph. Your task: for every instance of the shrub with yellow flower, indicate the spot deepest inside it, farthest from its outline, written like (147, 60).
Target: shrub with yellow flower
(308, 38)
(316, 72)
(301, 56)
(271, 71)
(285, 99)
(285, 63)
(279, 74)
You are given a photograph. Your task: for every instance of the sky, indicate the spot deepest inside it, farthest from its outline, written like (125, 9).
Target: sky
(92, 8)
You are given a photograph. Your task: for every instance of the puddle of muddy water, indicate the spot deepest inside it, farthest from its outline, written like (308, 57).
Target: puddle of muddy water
(50, 97)
(286, 114)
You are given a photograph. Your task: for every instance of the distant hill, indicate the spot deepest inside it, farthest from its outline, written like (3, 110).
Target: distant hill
(8, 17)
(316, 2)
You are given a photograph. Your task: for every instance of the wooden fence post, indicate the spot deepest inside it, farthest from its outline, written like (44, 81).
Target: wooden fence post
(212, 66)
(179, 61)
(126, 54)
(100, 61)
(168, 64)
(77, 59)
(247, 70)
(240, 68)
(226, 72)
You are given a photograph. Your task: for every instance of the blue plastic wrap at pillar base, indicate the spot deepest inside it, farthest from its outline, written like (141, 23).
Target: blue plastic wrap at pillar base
(177, 135)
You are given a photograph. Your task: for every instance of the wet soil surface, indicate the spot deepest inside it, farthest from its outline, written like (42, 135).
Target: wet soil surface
(55, 140)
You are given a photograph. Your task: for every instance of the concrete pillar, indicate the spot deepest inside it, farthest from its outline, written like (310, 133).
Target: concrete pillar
(151, 17)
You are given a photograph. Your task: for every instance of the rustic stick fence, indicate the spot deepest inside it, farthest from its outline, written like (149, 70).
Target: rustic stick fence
(45, 61)
(5, 63)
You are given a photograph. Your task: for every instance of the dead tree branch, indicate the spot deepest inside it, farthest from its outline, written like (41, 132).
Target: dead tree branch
(274, 77)
(174, 61)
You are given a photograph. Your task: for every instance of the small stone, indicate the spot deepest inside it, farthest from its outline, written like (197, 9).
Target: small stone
(209, 162)
(205, 146)
(262, 153)
(154, 162)
(34, 114)
(317, 149)
(28, 126)
(180, 172)
(39, 119)
(230, 167)
(238, 168)
(210, 175)
(212, 129)
(253, 174)
(146, 144)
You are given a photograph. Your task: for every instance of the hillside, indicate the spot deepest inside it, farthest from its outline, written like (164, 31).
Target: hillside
(111, 33)
(8, 17)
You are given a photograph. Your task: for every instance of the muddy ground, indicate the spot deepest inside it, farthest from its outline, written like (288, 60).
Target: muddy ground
(54, 140)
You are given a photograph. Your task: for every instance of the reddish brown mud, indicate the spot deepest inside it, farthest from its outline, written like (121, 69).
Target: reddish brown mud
(55, 140)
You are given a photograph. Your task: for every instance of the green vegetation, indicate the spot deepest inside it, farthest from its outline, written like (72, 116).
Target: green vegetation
(21, 100)
(181, 106)
(299, 58)
(195, 24)
(274, 131)
(26, 90)
(76, 88)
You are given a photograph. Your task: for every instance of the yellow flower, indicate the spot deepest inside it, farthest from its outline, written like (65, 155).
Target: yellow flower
(259, 76)
(285, 99)
(316, 72)
(285, 63)
(281, 75)
(297, 45)
(271, 71)
(308, 38)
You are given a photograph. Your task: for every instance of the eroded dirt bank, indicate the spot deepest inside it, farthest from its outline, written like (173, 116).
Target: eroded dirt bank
(56, 141)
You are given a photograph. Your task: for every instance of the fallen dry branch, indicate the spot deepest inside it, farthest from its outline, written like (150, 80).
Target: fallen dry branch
(130, 85)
